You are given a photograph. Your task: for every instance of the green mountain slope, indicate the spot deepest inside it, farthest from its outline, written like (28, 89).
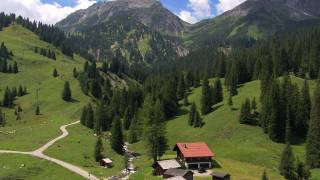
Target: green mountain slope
(253, 20)
(33, 131)
(243, 151)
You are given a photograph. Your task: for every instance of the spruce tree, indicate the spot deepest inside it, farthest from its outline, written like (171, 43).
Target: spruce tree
(313, 137)
(128, 115)
(37, 112)
(181, 87)
(198, 122)
(205, 97)
(89, 117)
(302, 171)
(230, 102)
(98, 150)
(15, 68)
(156, 140)
(304, 108)
(287, 163)
(98, 120)
(75, 73)
(66, 94)
(185, 99)
(2, 119)
(20, 91)
(116, 140)
(55, 73)
(7, 98)
(254, 105)
(83, 116)
(133, 131)
(217, 91)
(192, 114)
(264, 175)
(245, 112)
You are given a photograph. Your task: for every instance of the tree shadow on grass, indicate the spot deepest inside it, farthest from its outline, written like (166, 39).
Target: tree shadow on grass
(74, 101)
(216, 107)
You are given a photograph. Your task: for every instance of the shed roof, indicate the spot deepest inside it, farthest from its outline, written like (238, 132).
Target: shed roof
(168, 164)
(177, 178)
(177, 172)
(198, 149)
(106, 160)
(220, 175)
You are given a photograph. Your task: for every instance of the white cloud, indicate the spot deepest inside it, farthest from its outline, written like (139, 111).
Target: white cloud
(197, 10)
(44, 12)
(226, 5)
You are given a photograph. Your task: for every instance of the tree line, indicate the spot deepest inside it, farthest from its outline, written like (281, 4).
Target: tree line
(5, 55)
(45, 52)
(10, 94)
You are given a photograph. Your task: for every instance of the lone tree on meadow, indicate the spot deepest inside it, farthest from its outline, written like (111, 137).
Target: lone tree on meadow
(37, 110)
(245, 112)
(98, 150)
(66, 94)
(55, 73)
(264, 175)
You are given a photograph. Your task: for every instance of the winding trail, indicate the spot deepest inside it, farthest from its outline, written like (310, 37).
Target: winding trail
(39, 154)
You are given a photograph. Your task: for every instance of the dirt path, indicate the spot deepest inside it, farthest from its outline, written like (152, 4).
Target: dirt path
(39, 154)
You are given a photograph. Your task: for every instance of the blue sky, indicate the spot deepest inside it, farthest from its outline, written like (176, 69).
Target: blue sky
(53, 11)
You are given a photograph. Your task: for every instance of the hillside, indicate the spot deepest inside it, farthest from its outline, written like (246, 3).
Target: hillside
(31, 132)
(134, 32)
(253, 20)
(241, 150)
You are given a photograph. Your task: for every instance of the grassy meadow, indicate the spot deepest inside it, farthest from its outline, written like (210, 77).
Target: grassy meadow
(241, 150)
(32, 131)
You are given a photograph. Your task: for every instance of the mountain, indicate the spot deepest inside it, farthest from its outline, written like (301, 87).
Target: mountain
(256, 19)
(140, 31)
(149, 12)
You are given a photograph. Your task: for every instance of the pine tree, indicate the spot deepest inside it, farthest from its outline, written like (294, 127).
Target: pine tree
(128, 115)
(313, 137)
(205, 97)
(90, 117)
(304, 108)
(20, 91)
(37, 112)
(230, 102)
(287, 163)
(217, 92)
(181, 87)
(75, 73)
(98, 120)
(55, 73)
(83, 116)
(192, 114)
(116, 140)
(2, 119)
(245, 113)
(303, 173)
(254, 105)
(185, 99)
(264, 175)
(156, 140)
(7, 98)
(98, 150)
(198, 122)
(66, 94)
(15, 68)
(133, 131)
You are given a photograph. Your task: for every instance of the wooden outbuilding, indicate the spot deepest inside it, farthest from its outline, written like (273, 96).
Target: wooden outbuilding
(194, 155)
(178, 173)
(220, 176)
(106, 162)
(161, 166)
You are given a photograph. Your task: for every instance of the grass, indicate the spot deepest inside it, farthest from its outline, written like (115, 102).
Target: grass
(31, 132)
(27, 168)
(241, 150)
(80, 151)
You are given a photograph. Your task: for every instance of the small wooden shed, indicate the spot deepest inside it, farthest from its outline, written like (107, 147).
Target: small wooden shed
(106, 162)
(220, 176)
(178, 173)
(161, 166)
